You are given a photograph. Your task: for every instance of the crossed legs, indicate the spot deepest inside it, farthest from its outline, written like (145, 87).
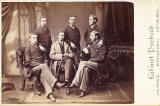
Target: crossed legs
(48, 80)
(81, 78)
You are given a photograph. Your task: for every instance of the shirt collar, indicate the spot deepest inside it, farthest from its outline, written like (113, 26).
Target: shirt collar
(72, 26)
(36, 45)
(92, 26)
(60, 41)
(44, 27)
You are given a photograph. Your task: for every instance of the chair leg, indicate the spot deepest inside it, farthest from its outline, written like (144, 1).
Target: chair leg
(36, 86)
(23, 81)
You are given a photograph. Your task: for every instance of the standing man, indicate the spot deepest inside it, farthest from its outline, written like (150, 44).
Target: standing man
(34, 61)
(92, 27)
(44, 37)
(72, 37)
(97, 54)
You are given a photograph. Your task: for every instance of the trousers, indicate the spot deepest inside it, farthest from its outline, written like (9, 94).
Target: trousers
(47, 79)
(81, 79)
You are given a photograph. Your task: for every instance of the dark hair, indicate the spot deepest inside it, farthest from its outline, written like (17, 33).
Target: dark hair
(72, 16)
(42, 17)
(61, 31)
(94, 17)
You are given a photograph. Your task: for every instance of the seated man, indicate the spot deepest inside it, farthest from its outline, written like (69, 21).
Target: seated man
(33, 56)
(62, 55)
(97, 56)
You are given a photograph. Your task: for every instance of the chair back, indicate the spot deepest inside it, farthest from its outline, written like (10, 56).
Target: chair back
(20, 56)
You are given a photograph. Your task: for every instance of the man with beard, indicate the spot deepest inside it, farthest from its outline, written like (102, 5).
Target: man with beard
(97, 57)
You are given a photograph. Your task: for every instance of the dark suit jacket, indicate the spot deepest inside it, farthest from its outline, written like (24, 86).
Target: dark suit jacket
(97, 53)
(33, 56)
(72, 35)
(44, 37)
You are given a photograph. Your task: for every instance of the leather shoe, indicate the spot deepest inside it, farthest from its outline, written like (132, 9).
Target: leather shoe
(82, 94)
(36, 91)
(52, 98)
(72, 86)
(66, 84)
(59, 85)
(68, 91)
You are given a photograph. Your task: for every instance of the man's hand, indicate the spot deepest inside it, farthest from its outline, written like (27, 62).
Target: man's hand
(100, 43)
(66, 54)
(72, 45)
(46, 62)
(42, 48)
(88, 46)
(65, 58)
(85, 50)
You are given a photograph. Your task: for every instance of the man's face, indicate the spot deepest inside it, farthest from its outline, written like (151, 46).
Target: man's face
(91, 20)
(61, 36)
(72, 20)
(43, 22)
(33, 39)
(93, 37)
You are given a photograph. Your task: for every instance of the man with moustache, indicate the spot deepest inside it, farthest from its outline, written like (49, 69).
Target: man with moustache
(62, 56)
(72, 37)
(93, 26)
(97, 57)
(44, 37)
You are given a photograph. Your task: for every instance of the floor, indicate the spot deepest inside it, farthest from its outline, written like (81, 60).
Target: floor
(118, 92)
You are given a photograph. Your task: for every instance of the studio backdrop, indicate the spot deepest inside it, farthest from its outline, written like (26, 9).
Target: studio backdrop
(20, 19)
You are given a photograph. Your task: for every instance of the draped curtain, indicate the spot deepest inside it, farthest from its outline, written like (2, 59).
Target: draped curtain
(7, 13)
(116, 19)
(119, 21)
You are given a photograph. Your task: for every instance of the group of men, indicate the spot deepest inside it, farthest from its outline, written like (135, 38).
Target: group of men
(65, 53)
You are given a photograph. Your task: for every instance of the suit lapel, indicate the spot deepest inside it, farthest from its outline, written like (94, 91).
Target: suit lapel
(94, 45)
(58, 47)
(65, 47)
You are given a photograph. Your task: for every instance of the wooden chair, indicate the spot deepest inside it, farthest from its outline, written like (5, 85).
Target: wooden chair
(60, 72)
(24, 70)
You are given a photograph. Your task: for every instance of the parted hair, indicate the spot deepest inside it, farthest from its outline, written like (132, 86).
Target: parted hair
(41, 17)
(61, 31)
(71, 16)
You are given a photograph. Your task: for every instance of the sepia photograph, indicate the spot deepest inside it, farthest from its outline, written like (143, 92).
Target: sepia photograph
(67, 52)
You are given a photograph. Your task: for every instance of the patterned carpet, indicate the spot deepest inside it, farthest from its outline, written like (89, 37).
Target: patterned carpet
(111, 93)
